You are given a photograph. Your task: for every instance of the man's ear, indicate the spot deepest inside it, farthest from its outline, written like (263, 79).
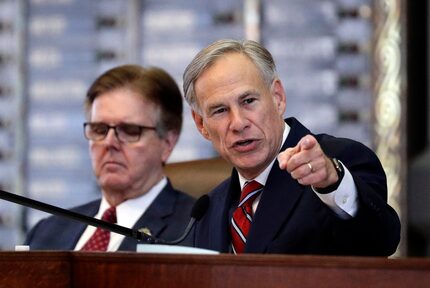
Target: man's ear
(198, 120)
(278, 93)
(169, 142)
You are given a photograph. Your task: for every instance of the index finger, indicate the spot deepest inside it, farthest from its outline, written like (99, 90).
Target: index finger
(284, 156)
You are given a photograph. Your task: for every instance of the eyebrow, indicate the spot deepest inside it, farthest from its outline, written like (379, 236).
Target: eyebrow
(214, 107)
(247, 93)
(242, 96)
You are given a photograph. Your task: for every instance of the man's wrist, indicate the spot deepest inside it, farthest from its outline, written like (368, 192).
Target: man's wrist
(340, 173)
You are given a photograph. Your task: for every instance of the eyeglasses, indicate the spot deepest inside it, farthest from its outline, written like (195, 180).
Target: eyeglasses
(125, 132)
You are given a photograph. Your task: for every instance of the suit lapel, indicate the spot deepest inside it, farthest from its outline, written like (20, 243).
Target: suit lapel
(279, 197)
(77, 229)
(153, 218)
(232, 197)
(213, 231)
(76, 232)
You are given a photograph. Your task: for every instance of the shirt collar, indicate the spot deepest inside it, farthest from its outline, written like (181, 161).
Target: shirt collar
(129, 211)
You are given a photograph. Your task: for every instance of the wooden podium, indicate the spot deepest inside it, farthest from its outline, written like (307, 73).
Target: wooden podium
(128, 269)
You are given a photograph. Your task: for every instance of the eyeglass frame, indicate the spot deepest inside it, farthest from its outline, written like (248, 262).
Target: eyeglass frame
(115, 129)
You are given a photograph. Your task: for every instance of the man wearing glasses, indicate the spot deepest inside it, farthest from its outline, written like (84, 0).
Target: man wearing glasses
(134, 118)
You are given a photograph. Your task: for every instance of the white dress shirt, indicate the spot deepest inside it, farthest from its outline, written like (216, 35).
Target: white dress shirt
(127, 214)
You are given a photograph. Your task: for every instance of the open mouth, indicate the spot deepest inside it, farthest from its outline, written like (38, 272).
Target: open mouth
(245, 146)
(243, 143)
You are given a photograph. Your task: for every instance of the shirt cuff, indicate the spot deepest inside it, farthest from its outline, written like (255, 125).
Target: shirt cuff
(342, 201)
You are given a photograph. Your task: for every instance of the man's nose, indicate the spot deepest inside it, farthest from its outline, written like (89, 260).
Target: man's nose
(238, 120)
(111, 137)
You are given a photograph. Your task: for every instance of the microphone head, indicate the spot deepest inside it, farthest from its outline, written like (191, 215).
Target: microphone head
(200, 207)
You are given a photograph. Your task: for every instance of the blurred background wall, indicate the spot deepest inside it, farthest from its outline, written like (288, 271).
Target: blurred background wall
(352, 68)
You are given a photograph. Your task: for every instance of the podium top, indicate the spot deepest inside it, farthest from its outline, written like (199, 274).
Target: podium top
(123, 269)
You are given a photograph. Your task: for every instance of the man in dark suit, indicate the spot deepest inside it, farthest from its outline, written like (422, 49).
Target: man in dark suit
(134, 121)
(301, 193)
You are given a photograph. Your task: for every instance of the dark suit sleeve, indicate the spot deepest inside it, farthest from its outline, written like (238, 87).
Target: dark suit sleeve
(375, 229)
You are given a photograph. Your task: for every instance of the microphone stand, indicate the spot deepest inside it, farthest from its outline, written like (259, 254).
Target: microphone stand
(140, 236)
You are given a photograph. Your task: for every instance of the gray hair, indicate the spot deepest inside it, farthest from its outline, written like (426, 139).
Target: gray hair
(259, 55)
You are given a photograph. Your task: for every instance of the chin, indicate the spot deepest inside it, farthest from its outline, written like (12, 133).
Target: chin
(113, 184)
(249, 164)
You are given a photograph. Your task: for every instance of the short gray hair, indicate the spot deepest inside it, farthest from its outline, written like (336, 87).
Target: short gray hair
(259, 55)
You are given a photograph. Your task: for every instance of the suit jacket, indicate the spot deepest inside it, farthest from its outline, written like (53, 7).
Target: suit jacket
(166, 218)
(291, 218)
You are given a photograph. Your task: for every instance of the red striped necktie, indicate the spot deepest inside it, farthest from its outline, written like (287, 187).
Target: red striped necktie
(242, 216)
(100, 239)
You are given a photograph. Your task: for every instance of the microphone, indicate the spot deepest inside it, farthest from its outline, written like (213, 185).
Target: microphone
(197, 212)
(199, 209)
